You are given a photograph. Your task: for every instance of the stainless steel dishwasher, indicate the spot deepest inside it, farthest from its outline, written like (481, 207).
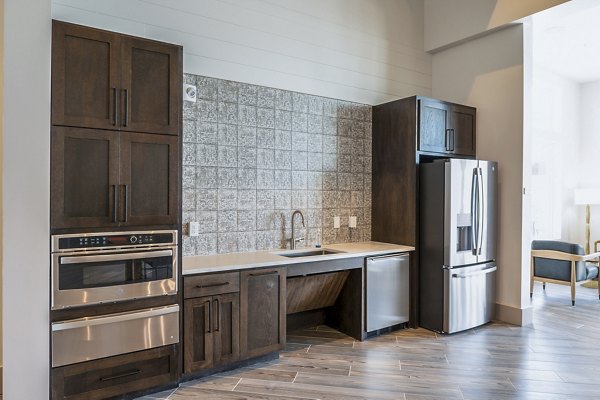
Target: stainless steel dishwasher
(387, 289)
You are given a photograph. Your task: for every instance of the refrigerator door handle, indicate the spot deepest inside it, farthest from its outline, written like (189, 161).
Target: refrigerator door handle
(482, 272)
(474, 222)
(480, 212)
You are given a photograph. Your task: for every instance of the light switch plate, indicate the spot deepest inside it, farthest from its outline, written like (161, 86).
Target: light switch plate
(336, 222)
(352, 221)
(194, 228)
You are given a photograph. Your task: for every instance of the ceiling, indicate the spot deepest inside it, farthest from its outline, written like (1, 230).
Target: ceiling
(566, 40)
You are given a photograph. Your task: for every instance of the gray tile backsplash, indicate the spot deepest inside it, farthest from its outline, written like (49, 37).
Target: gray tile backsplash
(252, 155)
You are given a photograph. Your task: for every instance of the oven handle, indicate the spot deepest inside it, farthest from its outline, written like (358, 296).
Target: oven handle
(115, 257)
(111, 319)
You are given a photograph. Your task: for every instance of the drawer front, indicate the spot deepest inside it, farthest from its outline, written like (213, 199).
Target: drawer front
(115, 376)
(92, 338)
(208, 285)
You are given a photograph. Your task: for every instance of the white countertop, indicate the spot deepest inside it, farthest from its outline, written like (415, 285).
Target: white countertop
(267, 258)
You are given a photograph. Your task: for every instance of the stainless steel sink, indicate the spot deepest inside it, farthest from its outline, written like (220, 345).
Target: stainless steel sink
(307, 253)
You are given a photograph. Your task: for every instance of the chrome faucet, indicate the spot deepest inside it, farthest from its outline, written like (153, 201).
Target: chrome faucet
(293, 241)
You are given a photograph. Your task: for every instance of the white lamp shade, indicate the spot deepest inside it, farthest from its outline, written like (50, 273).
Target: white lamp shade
(586, 196)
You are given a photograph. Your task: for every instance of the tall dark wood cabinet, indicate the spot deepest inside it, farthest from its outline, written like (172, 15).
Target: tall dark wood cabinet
(115, 165)
(263, 306)
(406, 133)
(116, 116)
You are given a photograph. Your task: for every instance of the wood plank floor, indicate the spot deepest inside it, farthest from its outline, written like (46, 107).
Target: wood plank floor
(558, 357)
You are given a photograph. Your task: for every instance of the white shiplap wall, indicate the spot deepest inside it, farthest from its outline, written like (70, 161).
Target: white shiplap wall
(368, 51)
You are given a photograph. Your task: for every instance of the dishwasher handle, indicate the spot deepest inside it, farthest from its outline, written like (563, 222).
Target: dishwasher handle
(395, 255)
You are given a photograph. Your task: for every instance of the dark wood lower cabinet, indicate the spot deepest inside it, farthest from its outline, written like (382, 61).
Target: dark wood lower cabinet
(114, 377)
(211, 332)
(262, 311)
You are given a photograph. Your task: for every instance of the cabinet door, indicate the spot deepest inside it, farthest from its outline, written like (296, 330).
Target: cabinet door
(226, 320)
(85, 76)
(149, 189)
(461, 120)
(84, 177)
(198, 334)
(262, 312)
(152, 86)
(432, 126)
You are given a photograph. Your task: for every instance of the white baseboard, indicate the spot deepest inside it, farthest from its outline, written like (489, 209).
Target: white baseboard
(514, 315)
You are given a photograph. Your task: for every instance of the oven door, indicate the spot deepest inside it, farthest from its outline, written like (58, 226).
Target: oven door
(99, 277)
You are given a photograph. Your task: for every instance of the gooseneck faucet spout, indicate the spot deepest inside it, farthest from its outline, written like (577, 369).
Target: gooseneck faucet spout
(293, 241)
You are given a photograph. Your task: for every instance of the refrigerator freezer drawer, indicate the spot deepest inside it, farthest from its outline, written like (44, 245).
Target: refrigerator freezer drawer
(387, 291)
(469, 296)
(109, 335)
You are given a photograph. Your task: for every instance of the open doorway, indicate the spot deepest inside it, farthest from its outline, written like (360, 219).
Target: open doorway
(565, 137)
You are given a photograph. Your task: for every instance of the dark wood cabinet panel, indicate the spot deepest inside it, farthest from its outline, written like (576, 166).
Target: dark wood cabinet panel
(446, 128)
(226, 308)
(432, 126)
(198, 337)
(107, 80)
(116, 376)
(85, 76)
(262, 315)
(462, 122)
(211, 331)
(148, 179)
(84, 177)
(109, 178)
(151, 83)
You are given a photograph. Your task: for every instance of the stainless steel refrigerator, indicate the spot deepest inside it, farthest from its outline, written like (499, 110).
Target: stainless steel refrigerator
(457, 244)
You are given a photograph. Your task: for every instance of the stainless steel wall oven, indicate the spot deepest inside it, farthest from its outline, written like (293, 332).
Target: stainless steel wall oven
(95, 268)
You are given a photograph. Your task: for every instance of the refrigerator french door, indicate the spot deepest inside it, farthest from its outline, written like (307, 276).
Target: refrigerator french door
(457, 244)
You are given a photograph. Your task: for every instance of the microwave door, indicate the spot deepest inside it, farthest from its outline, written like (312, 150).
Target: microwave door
(486, 247)
(460, 234)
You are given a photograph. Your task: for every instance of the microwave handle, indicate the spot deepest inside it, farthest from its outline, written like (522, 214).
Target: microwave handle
(115, 257)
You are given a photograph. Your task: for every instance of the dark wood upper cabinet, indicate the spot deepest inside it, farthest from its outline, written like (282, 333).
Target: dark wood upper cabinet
(148, 179)
(107, 178)
(262, 311)
(85, 76)
(446, 128)
(84, 177)
(108, 80)
(151, 86)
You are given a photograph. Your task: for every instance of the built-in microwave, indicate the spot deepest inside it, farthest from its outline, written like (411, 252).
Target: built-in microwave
(95, 268)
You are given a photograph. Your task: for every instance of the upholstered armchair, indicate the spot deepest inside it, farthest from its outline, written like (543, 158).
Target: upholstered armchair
(563, 263)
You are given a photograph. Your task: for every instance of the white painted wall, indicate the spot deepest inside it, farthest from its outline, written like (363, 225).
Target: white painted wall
(358, 50)
(556, 158)
(590, 160)
(450, 21)
(488, 73)
(26, 194)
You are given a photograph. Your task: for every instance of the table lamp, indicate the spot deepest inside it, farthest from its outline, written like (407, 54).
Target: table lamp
(587, 197)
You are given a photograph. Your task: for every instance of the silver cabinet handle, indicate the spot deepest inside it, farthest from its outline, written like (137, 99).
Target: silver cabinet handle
(110, 319)
(482, 272)
(115, 257)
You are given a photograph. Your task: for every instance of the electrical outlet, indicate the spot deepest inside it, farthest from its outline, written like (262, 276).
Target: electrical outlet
(194, 228)
(336, 222)
(352, 221)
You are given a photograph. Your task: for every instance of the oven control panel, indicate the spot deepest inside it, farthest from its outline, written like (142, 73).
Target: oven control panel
(124, 239)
